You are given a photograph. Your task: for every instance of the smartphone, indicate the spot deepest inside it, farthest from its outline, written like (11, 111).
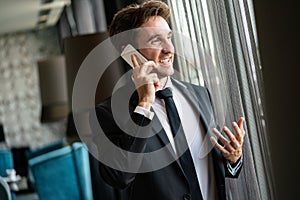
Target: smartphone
(128, 51)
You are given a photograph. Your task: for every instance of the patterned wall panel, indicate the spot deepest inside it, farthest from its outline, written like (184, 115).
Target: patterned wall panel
(20, 101)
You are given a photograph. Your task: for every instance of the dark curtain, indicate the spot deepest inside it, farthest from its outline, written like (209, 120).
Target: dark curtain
(219, 50)
(88, 16)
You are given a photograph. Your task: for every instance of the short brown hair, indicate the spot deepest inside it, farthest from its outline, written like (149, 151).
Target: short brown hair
(134, 15)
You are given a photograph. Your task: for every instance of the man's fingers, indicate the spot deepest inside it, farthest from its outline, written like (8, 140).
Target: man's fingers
(241, 123)
(220, 136)
(218, 146)
(232, 149)
(147, 67)
(223, 149)
(141, 80)
(231, 144)
(153, 78)
(229, 134)
(135, 60)
(234, 142)
(142, 68)
(239, 129)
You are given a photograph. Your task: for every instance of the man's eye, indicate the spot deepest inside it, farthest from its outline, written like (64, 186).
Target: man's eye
(156, 42)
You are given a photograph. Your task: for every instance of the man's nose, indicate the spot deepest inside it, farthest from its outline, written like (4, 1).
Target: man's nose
(167, 46)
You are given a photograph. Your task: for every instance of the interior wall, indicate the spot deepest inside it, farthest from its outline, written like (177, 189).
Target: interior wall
(279, 49)
(20, 102)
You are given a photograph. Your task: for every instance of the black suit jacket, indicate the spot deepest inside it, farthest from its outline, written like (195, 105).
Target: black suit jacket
(168, 182)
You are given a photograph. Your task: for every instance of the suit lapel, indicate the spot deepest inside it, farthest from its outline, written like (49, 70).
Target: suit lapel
(199, 100)
(193, 97)
(158, 129)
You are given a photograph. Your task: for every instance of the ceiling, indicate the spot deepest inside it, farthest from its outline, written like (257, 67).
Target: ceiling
(20, 15)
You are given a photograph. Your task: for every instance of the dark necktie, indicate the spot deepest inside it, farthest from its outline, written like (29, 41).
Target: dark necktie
(181, 145)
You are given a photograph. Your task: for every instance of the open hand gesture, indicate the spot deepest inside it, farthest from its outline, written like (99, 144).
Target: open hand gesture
(232, 147)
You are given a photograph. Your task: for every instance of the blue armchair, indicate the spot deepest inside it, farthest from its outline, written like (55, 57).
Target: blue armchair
(6, 161)
(62, 174)
(45, 149)
(5, 193)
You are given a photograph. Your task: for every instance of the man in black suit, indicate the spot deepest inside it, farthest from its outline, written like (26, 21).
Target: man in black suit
(153, 162)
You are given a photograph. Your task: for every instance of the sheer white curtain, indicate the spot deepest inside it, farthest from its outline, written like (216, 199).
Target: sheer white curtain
(216, 46)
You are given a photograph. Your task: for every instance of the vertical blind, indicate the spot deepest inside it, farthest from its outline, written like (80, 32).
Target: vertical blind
(216, 46)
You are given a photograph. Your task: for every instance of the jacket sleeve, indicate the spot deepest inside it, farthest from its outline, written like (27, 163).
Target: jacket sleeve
(233, 170)
(124, 143)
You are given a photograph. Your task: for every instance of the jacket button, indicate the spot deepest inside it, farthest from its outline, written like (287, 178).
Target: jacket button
(186, 197)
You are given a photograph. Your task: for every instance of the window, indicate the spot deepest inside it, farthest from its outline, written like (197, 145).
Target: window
(216, 46)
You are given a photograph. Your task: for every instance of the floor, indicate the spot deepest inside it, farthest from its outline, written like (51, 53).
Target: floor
(27, 196)
(23, 192)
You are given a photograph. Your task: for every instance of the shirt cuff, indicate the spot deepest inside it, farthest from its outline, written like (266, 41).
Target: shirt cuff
(147, 113)
(234, 170)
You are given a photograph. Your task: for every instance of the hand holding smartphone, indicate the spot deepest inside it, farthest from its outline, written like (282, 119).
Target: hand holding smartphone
(128, 51)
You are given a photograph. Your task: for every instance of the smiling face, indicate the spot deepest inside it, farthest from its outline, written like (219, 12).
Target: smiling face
(154, 41)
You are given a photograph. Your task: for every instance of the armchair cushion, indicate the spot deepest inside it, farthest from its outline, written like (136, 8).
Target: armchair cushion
(6, 161)
(63, 173)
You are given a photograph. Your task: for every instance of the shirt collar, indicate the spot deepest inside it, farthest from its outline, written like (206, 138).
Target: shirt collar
(169, 83)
